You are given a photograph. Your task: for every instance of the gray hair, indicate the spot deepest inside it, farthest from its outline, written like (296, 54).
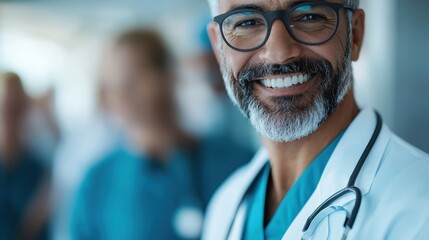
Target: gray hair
(215, 8)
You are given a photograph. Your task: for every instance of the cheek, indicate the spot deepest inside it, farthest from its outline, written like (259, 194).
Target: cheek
(331, 51)
(235, 60)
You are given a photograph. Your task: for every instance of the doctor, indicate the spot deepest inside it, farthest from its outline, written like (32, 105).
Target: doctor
(328, 169)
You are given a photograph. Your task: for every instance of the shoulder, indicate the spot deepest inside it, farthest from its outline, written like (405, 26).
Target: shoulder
(399, 144)
(404, 166)
(31, 169)
(401, 156)
(99, 173)
(33, 162)
(399, 195)
(110, 161)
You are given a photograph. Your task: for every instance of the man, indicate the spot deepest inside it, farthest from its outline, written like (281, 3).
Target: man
(158, 184)
(287, 66)
(24, 182)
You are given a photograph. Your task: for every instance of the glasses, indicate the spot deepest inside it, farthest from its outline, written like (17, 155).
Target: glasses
(309, 23)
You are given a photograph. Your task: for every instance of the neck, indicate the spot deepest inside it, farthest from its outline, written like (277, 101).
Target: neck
(289, 159)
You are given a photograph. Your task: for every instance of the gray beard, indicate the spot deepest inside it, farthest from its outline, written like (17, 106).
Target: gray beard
(285, 122)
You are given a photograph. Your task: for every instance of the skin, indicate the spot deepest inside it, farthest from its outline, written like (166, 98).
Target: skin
(13, 105)
(140, 96)
(289, 159)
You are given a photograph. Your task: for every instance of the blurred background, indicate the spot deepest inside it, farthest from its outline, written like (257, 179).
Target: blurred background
(57, 49)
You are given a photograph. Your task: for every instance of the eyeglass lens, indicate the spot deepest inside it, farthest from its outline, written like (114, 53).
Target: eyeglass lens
(308, 24)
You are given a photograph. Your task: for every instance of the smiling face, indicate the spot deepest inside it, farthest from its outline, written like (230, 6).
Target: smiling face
(286, 88)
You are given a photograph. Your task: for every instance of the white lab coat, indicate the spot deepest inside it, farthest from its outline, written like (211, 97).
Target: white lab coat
(394, 182)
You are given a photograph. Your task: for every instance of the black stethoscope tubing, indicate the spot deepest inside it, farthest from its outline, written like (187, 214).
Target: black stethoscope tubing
(350, 188)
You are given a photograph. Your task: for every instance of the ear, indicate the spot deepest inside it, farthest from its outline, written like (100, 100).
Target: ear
(358, 30)
(213, 31)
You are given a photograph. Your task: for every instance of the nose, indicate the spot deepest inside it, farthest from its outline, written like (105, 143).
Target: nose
(280, 46)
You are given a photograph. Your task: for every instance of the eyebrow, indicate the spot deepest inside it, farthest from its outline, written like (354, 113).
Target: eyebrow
(290, 4)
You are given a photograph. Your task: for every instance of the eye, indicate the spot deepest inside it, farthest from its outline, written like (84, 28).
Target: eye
(312, 18)
(248, 23)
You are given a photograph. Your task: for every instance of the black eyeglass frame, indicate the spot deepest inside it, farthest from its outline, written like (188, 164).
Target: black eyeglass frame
(283, 15)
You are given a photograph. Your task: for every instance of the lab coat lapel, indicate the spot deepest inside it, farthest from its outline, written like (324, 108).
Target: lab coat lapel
(340, 166)
(237, 206)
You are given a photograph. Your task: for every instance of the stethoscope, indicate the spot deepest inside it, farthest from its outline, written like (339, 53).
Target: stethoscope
(325, 209)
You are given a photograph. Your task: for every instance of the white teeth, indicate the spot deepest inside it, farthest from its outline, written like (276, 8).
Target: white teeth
(279, 83)
(285, 82)
(306, 78)
(266, 83)
(288, 82)
(295, 80)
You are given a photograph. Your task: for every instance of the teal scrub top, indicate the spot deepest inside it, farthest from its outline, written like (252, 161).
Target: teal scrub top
(18, 187)
(129, 196)
(292, 202)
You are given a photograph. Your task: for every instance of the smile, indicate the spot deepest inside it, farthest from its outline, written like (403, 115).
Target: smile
(287, 82)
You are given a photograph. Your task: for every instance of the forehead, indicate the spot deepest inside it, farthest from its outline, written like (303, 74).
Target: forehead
(127, 56)
(266, 5)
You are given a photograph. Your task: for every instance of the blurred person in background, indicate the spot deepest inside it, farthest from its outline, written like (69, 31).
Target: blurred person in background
(24, 181)
(206, 110)
(42, 133)
(157, 185)
(77, 152)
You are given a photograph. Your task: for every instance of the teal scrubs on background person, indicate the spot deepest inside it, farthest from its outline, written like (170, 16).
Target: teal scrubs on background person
(18, 186)
(130, 196)
(292, 202)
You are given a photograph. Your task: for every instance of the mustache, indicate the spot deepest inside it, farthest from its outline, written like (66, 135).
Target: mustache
(304, 65)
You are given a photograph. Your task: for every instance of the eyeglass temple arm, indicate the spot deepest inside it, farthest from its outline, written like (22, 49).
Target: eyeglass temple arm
(349, 6)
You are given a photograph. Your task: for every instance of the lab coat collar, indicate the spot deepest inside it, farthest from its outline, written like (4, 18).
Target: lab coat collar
(347, 154)
(334, 178)
(341, 165)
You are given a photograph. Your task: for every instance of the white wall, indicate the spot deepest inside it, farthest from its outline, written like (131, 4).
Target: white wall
(374, 83)
(410, 72)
